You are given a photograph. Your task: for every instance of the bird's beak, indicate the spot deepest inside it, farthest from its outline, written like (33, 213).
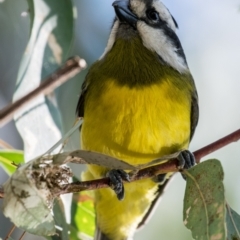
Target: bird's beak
(124, 14)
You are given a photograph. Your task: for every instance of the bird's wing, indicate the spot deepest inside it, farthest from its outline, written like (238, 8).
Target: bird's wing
(81, 100)
(194, 113)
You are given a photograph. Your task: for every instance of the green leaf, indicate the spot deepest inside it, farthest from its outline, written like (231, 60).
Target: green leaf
(30, 198)
(8, 157)
(83, 217)
(233, 224)
(56, 19)
(204, 202)
(39, 123)
(59, 218)
(27, 203)
(90, 157)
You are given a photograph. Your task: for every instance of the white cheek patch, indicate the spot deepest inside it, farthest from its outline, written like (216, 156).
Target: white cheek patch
(111, 39)
(164, 14)
(156, 41)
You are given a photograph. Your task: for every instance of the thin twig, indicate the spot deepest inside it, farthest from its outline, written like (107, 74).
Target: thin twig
(68, 70)
(10, 232)
(233, 137)
(170, 166)
(21, 238)
(5, 145)
(1, 192)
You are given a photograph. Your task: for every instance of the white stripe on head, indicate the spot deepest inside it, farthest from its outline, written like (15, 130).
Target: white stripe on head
(139, 7)
(156, 40)
(164, 14)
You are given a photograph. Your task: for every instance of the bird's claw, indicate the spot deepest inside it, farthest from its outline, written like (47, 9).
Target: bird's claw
(186, 160)
(116, 177)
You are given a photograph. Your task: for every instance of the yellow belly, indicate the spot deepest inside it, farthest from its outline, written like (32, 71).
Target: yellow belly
(135, 125)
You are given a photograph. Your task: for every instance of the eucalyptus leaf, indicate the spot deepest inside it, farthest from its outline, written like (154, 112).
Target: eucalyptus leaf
(29, 196)
(65, 138)
(39, 122)
(26, 206)
(90, 157)
(59, 218)
(233, 224)
(10, 157)
(204, 202)
(159, 160)
(84, 217)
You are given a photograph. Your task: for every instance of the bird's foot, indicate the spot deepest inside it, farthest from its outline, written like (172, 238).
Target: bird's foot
(116, 177)
(186, 160)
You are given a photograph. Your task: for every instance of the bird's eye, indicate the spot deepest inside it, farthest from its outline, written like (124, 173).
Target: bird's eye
(152, 15)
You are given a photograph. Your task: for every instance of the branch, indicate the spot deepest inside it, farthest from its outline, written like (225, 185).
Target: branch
(5, 145)
(78, 186)
(1, 192)
(233, 137)
(68, 70)
(169, 166)
(10, 232)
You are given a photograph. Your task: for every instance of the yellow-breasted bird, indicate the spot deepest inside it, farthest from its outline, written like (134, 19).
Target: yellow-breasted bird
(139, 102)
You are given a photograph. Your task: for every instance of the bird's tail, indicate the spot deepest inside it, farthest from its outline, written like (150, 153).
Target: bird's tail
(161, 189)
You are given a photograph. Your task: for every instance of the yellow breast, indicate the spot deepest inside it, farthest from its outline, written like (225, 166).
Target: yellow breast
(136, 124)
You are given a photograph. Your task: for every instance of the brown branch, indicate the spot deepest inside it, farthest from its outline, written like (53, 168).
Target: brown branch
(233, 137)
(5, 145)
(68, 70)
(10, 232)
(170, 166)
(22, 236)
(1, 192)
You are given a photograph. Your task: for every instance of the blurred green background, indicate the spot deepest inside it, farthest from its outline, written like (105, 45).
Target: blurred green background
(210, 35)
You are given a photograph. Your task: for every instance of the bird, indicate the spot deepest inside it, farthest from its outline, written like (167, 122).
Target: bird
(138, 102)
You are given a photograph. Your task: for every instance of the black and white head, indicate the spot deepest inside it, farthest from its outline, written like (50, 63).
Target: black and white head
(155, 25)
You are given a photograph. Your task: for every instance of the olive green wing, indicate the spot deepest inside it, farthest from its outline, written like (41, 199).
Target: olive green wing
(194, 114)
(81, 100)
